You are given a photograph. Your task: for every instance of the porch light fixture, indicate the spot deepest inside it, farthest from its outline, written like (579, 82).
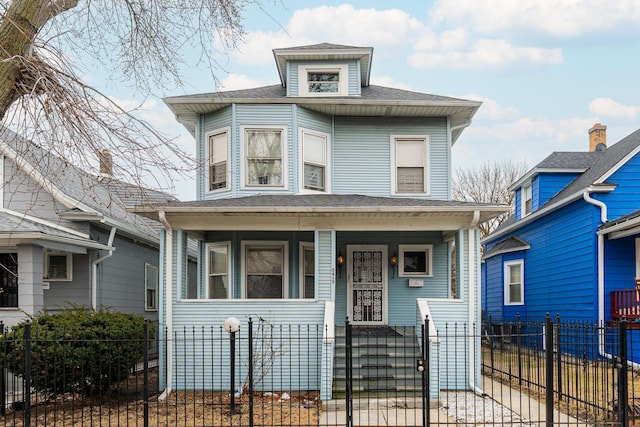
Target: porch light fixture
(340, 263)
(394, 263)
(232, 325)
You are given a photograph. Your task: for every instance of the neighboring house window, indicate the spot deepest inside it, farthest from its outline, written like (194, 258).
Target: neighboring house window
(314, 159)
(218, 286)
(415, 260)
(410, 168)
(218, 159)
(58, 266)
(9, 280)
(265, 266)
(307, 271)
(526, 200)
(264, 151)
(514, 282)
(637, 259)
(151, 287)
(322, 80)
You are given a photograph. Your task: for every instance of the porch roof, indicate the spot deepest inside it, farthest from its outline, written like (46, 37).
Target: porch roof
(312, 212)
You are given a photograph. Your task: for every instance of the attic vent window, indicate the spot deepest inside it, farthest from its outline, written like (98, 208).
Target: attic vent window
(325, 82)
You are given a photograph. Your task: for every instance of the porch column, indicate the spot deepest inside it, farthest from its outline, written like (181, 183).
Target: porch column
(30, 293)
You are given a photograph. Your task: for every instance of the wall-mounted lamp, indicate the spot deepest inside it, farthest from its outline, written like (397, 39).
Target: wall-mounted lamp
(340, 263)
(394, 263)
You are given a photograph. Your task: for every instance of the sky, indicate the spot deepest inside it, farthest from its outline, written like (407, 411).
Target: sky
(545, 70)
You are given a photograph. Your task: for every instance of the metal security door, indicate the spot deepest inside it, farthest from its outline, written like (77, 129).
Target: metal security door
(367, 284)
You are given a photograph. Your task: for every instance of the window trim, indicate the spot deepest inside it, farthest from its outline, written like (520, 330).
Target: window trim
(526, 189)
(244, 169)
(284, 244)
(207, 183)
(415, 248)
(147, 266)
(507, 281)
(306, 246)
(343, 79)
(208, 247)
(394, 139)
(45, 272)
(327, 162)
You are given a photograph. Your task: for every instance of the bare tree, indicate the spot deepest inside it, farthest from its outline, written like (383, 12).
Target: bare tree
(488, 183)
(47, 46)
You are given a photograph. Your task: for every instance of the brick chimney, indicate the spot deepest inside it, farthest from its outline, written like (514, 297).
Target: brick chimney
(597, 135)
(106, 162)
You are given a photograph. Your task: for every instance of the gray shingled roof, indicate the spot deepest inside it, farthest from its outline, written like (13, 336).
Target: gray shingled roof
(320, 46)
(327, 201)
(510, 244)
(92, 191)
(568, 160)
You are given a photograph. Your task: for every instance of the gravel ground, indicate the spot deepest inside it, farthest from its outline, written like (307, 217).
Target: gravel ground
(467, 407)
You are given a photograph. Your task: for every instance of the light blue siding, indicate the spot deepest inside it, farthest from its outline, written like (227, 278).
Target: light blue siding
(209, 123)
(353, 75)
(362, 145)
(324, 261)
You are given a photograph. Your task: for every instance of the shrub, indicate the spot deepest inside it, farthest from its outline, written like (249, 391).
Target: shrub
(79, 350)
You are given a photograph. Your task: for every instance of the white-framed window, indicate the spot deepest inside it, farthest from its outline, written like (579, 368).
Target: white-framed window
(410, 160)
(218, 160)
(315, 161)
(264, 153)
(58, 266)
(514, 282)
(150, 287)
(415, 260)
(318, 80)
(307, 270)
(527, 199)
(264, 267)
(637, 258)
(218, 268)
(9, 280)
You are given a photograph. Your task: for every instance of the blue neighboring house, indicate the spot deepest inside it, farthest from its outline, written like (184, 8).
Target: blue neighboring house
(321, 198)
(573, 246)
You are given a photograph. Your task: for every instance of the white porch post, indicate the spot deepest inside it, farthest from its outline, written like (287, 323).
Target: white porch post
(168, 301)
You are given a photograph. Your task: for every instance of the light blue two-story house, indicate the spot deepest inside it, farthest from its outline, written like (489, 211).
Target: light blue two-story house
(573, 246)
(322, 198)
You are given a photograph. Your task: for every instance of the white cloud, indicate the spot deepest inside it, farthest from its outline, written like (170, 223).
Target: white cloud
(607, 107)
(239, 81)
(558, 18)
(483, 54)
(491, 109)
(389, 81)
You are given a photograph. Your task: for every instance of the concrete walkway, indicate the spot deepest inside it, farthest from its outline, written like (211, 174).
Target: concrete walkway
(502, 406)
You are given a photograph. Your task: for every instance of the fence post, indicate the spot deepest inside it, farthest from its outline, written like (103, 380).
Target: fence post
(145, 389)
(3, 373)
(26, 379)
(548, 340)
(426, 386)
(519, 348)
(623, 391)
(250, 344)
(491, 344)
(349, 366)
(559, 357)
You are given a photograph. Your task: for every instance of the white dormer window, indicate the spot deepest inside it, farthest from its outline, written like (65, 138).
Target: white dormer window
(526, 200)
(322, 80)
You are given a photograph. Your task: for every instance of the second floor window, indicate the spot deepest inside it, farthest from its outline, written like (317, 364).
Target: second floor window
(410, 165)
(314, 153)
(218, 158)
(526, 200)
(264, 151)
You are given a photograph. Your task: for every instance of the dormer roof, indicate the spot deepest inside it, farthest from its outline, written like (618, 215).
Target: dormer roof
(324, 52)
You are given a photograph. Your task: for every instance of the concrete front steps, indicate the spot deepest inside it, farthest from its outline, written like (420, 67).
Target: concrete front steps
(384, 361)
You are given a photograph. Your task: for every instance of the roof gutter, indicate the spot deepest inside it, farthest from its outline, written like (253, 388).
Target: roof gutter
(467, 123)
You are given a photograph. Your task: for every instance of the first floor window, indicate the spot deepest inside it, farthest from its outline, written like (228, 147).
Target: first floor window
(218, 271)
(9, 280)
(265, 265)
(514, 282)
(410, 156)
(308, 270)
(264, 151)
(415, 260)
(57, 266)
(151, 287)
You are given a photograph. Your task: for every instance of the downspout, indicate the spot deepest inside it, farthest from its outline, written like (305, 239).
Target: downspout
(467, 123)
(603, 218)
(94, 270)
(472, 302)
(168, 297)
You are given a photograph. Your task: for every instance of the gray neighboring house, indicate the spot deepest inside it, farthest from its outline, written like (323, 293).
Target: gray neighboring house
(66, 237)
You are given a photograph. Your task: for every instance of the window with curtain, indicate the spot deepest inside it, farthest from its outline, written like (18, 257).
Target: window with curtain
(314, 153)
(410, 167)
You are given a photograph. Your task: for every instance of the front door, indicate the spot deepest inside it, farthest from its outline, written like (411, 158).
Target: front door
(367, 284)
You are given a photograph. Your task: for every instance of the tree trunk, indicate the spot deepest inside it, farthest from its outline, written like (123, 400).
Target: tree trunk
(18, 30)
